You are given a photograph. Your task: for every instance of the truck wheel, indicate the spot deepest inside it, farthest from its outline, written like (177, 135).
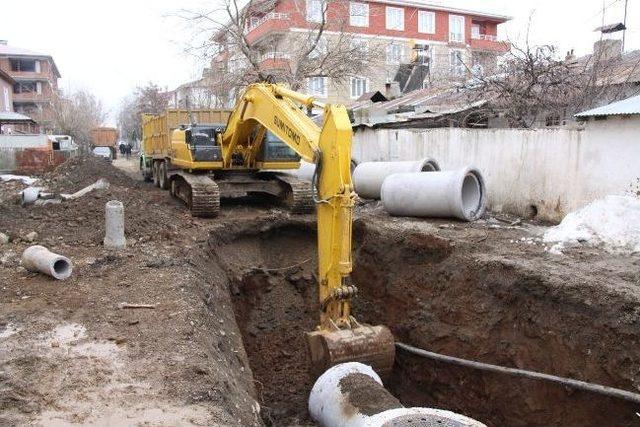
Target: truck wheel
(156, 174)
(163, 179)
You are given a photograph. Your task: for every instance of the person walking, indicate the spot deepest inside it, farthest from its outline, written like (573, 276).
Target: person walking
(127, 150)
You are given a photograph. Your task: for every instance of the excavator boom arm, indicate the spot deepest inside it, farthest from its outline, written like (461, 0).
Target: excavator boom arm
(268, 106)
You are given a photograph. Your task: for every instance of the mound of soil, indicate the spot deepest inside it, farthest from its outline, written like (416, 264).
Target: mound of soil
(81, 171)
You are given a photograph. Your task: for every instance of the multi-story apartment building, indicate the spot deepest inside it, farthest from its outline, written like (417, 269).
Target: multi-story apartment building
(415, 43)
(36, 82)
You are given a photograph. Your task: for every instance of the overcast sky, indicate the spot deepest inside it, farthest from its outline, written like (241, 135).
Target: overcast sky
(111, 47)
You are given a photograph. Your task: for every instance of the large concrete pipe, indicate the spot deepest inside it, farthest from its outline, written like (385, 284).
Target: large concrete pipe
(369, 176)
(306, 171)
(459, 194)
(352, 395)
(40, 260)
(114, 225)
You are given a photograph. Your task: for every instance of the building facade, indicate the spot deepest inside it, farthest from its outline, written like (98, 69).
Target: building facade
(414, 43)
(36, 82)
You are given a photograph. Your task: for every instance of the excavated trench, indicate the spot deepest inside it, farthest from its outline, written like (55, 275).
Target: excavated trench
(437, 296)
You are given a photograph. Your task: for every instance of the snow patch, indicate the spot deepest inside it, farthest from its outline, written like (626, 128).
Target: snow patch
(612, 223)
(27, 180)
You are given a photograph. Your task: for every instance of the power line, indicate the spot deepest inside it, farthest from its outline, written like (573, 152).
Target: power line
(603, 10)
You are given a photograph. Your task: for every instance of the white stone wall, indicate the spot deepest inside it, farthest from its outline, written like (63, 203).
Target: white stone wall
(555, 170)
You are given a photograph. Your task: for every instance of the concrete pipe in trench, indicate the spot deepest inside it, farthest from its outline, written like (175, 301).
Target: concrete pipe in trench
(352, 395)
(459, 194)
(368, 177)
(40, 260)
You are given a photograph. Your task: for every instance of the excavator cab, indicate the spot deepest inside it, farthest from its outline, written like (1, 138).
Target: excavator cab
(202, 140)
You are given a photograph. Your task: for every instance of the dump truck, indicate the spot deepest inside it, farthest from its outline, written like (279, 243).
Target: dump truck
(182, 152)
(105, 137)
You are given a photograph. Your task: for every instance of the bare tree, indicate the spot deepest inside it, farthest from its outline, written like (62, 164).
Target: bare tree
(325, 50)
(76, 114)
(149, 99)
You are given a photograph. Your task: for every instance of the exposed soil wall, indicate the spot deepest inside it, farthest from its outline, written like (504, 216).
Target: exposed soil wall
(443, 295)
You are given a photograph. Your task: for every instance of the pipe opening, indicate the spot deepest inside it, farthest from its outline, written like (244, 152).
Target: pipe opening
(429, 165)
(61, 268)
(471, 195)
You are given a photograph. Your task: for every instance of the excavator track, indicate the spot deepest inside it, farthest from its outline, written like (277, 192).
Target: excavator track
(199, 192)
(205, 200)
(299, 198)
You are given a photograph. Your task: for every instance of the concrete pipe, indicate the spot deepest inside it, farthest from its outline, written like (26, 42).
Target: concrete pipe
(369, 176)
(30, 195)
(40, 260)
(352, 395)
(114, 225)
(458, 194)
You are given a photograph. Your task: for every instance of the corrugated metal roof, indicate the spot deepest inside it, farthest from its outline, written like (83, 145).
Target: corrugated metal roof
(629, 106)
(12, 116)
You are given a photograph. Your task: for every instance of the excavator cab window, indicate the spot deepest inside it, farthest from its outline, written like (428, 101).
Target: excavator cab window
(204, 143)
(274, 149)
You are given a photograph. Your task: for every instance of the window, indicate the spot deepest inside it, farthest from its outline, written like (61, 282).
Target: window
(26, 65)
(359, 86)
(423, 54)
(321, 48)
(318, 86)
(395, 18)
(395, 53)
(426, 22)
(315, 10)
(358, 14)
(456, 28)
(457, 63)
(26, 87)
(475, 32)
(360, 45)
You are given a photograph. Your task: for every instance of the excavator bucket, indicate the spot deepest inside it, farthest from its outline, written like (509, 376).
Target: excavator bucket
(371, 345)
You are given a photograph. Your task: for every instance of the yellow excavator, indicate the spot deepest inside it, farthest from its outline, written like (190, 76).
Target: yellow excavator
(269, 112)
(269, 107)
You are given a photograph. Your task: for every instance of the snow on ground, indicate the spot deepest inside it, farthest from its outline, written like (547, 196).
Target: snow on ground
(25, 179)
(612, 223)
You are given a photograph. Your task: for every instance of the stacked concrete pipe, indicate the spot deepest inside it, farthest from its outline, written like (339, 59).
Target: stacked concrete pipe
(368, 177)
(459, 194)
(352, 395)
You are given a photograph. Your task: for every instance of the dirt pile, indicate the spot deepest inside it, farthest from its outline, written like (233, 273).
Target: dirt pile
(69, 355)
(78, 172)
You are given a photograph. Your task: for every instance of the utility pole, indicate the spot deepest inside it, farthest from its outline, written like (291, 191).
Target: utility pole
(624, 32)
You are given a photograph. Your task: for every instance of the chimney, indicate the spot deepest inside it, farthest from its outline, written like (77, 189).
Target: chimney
(605, 50)
(571, 56)
(3, 42)
(392, 90)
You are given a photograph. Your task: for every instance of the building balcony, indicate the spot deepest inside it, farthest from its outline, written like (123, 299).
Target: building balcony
(31, 97)
(274, 60)
(272, 22)
(489, 42)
